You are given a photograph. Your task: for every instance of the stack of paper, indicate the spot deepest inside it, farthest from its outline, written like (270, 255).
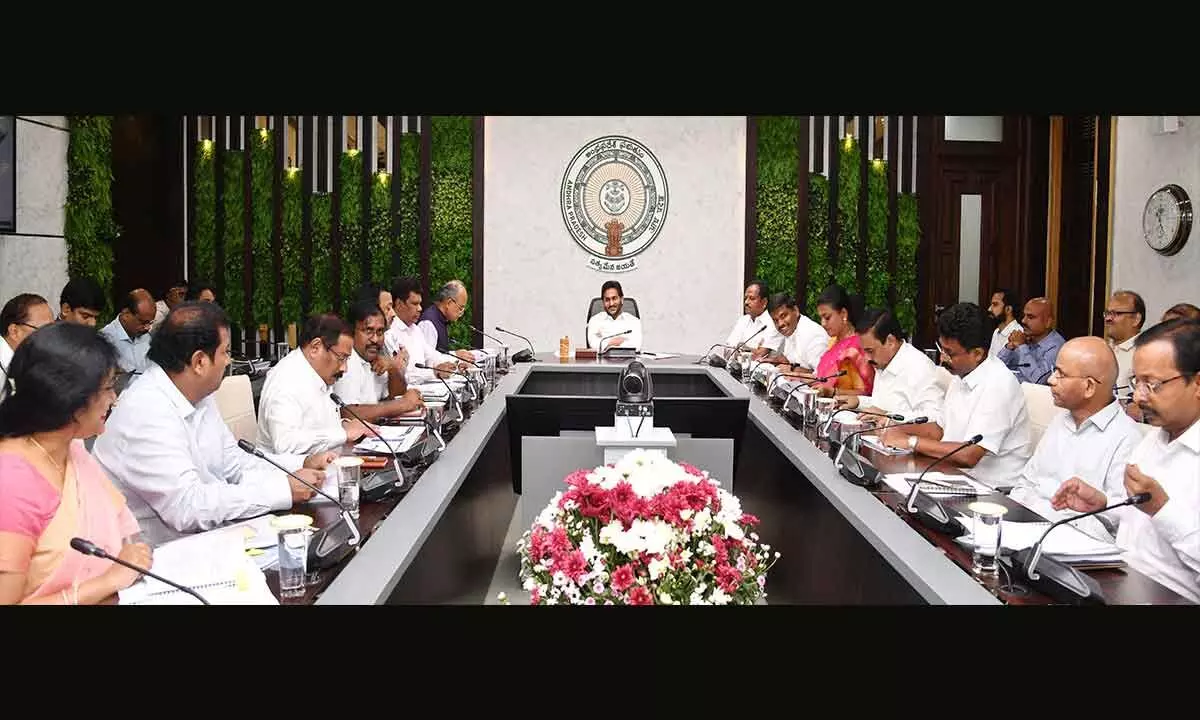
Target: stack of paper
(213, 563)
(400, 437)
(1066, 543)
(936, 484)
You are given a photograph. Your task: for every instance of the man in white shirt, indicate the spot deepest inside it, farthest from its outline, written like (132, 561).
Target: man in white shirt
(296, 416)
(167, 449)
(804, 341)
(906, 381)
(603, 325)
(373, 385)
(1160, 537)
(174, 295)
(1123, 320)
(20, 317)
(1090, 439)
(1003, 311)
(754, 320)
(984, 399)
(406, 343)
(129, 331)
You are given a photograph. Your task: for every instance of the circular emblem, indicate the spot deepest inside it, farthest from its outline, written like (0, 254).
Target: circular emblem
(614, 199)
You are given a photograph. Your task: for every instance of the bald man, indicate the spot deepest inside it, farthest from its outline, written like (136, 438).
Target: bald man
(129, 332)
(1091, 438)
(1030, 352)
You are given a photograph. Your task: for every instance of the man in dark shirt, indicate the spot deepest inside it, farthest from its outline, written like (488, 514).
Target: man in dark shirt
(449, 304)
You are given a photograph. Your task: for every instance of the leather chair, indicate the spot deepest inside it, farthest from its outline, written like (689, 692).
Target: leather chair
(235, 399)
(628, 305)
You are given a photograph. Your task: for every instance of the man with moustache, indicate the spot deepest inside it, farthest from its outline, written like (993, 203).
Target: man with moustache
(1030, 352)
(1002, 309)
(804, 341)
(1160, 537)
(295, 413)
(1091, 438)
(1123, 320)
(373, 385)
(129, 331)
(755, 327)
(906, 382)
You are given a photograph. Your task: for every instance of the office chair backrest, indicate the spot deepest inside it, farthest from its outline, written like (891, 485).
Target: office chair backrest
(597, 306)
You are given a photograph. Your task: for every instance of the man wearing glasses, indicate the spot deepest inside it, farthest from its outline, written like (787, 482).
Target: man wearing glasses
(296, 416)
(1090, 439)
(984, 399)
(129, 331)
(449, 304)
(1160, 537)
(19, 318)
(374, 386)
(1123, 320)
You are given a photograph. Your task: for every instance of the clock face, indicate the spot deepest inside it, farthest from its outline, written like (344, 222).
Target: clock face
(1161, 219)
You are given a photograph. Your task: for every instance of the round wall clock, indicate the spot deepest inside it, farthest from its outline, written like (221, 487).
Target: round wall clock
(1167, 219)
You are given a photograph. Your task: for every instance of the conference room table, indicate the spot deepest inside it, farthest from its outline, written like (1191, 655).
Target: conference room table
(839, 543)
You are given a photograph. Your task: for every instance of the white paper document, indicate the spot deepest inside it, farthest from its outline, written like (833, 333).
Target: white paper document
(1065, 543)
(213, 563)
(400, 437)
(873, 442)
(936, 484)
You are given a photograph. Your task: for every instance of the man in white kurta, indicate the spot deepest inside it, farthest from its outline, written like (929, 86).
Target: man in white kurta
(613, 320)
(755, 328)
(906, 380)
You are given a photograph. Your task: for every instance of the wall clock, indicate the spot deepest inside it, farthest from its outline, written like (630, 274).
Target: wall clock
(1167, 219)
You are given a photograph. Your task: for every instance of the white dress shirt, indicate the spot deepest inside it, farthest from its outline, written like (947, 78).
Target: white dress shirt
(602, 325)
(989, 402)
(807, 343)
(180, 467)
(6, 356)
(1124, 353)
(1167, 546)
(360, 385)
(907, 386)
(131, 354)
(1095, 451)
(412, 338)
(295, 413)
(745, 328)
(1000, 337)
(160, 313)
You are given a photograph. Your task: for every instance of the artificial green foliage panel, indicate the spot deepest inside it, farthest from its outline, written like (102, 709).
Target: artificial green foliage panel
(293, 246)
(775, 252)
(379, 237)
(451, 252)
(89, 226)
(846, 271)
(322, 268)
(818, 241)
(352, 231)
(908, 236)
(233, 300)
(409, 176)
(878, 277)
(262, 192)
(205, 213)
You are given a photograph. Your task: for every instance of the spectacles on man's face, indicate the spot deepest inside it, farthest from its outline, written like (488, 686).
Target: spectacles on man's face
(340, 357)
(1115, 313)
(1151, 387)
(1058, 374)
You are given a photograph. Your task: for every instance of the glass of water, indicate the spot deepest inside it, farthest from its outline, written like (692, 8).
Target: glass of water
(294, 532)
(987, 517)
(349, 475)
(825, 409)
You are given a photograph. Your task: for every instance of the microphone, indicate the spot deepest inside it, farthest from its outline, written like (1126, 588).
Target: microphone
(470, 380)
(451, 398)
(1059, 580)
(927, 509)
(610, 337)
(856, 474)
(88, 547)
(709, 351)
(375, 495)
(463, 346)
(522, 356)
(890, 416)
(328, 545)
(815, 380)
(490, 337)
(721, 362)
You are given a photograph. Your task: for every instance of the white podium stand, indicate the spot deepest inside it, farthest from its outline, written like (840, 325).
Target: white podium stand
(618, 440)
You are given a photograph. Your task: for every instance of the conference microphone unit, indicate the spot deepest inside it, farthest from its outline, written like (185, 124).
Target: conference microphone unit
(1059, 580)
(464, 346)
(383, 483)
(470, 381)
(524, 355)
(928, 511)
(890, 416)
(853, 470)
(810, 383)
(328, 545)
(610, 337)
(87, 547)
(721, 362)
(708, 352)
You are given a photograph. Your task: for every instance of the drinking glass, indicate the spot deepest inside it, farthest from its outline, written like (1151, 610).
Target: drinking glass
(986, 533)
(294, 532)
(825, 409)
(349, 475)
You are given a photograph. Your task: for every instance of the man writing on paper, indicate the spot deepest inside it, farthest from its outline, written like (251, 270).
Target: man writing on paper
(754, 320)
(373, 385)
(984, 399)
(906, 382)
(1161, 537)
(1090, 439)
(613, 320)
(167, 448)
(295, 413)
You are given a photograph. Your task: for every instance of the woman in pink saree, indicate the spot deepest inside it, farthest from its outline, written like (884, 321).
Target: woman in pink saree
(51, 489)
(839, 312)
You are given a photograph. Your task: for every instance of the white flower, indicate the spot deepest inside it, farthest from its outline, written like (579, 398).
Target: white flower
(697, 599)
(598, 587)
(686, 513)
(588, 548)
(685, 555)
(741, 564)
(560, 579)
(718, 597)
(650, 536)
(570, 506)
(733, 531)
(590, 601)
(611, 532)
(549, 601)
(706, 548)
(658, 566)
(539, 568)
(754, 536)
(665, 598)
(529, 584)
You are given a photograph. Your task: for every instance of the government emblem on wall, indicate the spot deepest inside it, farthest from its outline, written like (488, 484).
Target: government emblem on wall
(614, 201)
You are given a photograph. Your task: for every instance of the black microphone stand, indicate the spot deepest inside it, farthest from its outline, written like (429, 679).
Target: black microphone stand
(89, 548)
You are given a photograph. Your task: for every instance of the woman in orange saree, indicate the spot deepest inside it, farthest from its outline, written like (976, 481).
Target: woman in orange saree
(51, 488)
(839, 312)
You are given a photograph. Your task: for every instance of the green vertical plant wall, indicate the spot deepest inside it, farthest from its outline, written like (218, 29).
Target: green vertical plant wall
(232, 295)
(775, 218)
(292, 251)
(451, 250)
(352, 235)
(205, 214)
(262, 190)
(89, 226)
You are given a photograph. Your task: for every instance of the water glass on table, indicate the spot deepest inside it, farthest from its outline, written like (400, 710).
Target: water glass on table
(294, 532)
(349, 476)
(826, 407)
(988, 521)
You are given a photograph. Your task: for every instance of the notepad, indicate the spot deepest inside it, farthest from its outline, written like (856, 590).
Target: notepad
(1065, 543)
(936, 484)
(212, 563)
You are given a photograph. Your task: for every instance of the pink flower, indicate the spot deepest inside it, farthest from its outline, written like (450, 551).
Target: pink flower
(590, 601)
(535, 597)
(640, 596)
(748, 519)
(573, 565)
(622, 578)
(598, 587)
(729, 579)
(593, 502)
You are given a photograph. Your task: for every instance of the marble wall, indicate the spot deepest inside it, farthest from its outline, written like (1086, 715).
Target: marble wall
(34, 258)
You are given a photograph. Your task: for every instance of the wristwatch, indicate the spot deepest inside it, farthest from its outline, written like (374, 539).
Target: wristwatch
(912, 442)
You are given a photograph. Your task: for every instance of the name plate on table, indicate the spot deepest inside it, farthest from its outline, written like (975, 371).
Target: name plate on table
(620, 352)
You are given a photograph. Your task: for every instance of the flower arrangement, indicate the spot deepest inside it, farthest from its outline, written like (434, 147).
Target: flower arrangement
(645, 531)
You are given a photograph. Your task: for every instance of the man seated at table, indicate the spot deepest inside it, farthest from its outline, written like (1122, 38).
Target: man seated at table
(373, 385)
(405, 341)
(755, 327)
(21, 316)
(81, 301)
(906, 380)
(129, 331)
(984, 399)
(1090, 439)
(449, 305)
(1030, 352)
(602, 326)
(296, 416)
(168, 450)
(1160, 537)
(804, 341)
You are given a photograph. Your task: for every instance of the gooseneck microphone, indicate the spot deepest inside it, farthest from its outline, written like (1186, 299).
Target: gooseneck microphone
(856, 474)
(721, 362)
(708, 352)
(522, 356)
(464, 346)
(490, 337)
(610, 337)
(88, 547)
(929, 512)
(1059, 580)
(470, 381)
(814, 381)
(452, 398)
(249, 447)
(373, 492)
(890, 416)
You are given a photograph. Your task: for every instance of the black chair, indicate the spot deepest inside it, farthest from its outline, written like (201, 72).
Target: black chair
(628, 305)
